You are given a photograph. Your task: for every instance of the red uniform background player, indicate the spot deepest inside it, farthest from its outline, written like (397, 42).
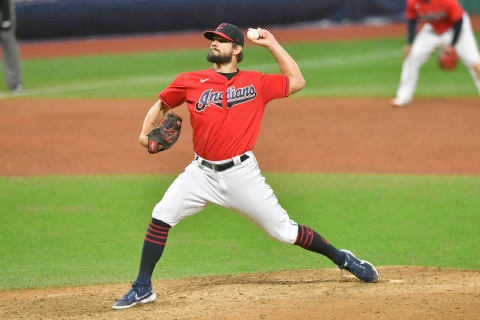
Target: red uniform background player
(446, 25)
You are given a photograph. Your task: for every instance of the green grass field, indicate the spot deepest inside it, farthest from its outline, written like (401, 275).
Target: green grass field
(359, 68)
(61, 230)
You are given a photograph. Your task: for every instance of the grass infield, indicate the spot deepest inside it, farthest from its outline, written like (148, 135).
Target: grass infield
(62, 231)
(75, 230)
(367, 68)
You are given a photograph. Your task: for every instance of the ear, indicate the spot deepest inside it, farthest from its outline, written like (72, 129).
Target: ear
(237, 49)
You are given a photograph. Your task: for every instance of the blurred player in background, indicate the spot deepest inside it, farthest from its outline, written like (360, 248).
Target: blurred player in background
(446, 25)
(11, 59)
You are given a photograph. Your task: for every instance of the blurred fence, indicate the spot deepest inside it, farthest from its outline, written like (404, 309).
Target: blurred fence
(44, 19)
(471, 6)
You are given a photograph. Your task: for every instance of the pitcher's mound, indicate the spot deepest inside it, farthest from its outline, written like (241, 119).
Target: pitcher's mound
(401, 293)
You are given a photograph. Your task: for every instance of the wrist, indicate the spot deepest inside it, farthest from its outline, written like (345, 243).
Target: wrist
(143, 140)
(448, 49)
(273, 45)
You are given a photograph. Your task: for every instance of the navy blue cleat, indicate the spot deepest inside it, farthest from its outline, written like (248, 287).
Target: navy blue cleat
(137, 294)
(361, 269)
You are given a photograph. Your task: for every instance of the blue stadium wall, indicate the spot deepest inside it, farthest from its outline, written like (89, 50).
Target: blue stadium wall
(47, 19)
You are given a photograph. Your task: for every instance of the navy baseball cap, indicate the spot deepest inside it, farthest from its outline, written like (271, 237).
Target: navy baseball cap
(227, 31)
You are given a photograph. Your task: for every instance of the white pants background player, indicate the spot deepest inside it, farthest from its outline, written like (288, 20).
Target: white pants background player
(425, 43)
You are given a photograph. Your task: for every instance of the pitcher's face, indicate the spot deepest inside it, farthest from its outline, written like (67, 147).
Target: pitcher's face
(221, 50)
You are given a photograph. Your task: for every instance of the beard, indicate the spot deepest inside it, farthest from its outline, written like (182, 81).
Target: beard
(220, 58)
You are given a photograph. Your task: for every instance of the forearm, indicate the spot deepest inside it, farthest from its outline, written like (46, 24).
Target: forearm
(457, 27)
(153, 118)
(411, 30)
(288, 67)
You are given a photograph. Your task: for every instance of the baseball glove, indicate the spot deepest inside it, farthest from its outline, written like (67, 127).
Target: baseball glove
(166, 134)
(448, 60)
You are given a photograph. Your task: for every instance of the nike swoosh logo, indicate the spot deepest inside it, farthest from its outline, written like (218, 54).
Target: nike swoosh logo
(204, 80)
(140, 298)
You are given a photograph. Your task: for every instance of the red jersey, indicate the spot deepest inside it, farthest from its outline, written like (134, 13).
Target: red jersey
(441, 14)
(224, 128)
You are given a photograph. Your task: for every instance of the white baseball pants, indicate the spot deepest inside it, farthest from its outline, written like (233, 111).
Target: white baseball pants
(241, 188)
(425, 43)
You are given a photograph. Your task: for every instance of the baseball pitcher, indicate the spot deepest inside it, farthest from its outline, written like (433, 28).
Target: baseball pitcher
(447, 26)
(226, 106)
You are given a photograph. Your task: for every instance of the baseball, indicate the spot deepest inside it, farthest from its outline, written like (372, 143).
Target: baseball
(252, 34)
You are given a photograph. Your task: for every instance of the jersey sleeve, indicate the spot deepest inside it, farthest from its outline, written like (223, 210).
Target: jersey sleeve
(410, 12)
(454, 10)
(274, 86)
(175, 94)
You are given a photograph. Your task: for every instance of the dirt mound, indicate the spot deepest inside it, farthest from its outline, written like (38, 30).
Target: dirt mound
(401, 293)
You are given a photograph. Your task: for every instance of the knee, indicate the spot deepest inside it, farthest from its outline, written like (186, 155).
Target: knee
(160, 213)
(286, 233)
(476, 67)
(280, 237)
(415, 58)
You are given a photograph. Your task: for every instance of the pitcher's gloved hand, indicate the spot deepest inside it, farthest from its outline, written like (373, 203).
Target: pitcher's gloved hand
(166, 134)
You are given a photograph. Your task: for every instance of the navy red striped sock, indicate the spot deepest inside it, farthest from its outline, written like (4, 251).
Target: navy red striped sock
(312, 241)
(153, 246)
(157, 232)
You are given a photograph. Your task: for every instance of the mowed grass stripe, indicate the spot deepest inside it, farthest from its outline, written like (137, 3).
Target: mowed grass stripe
(61, 230)
(166, 78)
(350, 69)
